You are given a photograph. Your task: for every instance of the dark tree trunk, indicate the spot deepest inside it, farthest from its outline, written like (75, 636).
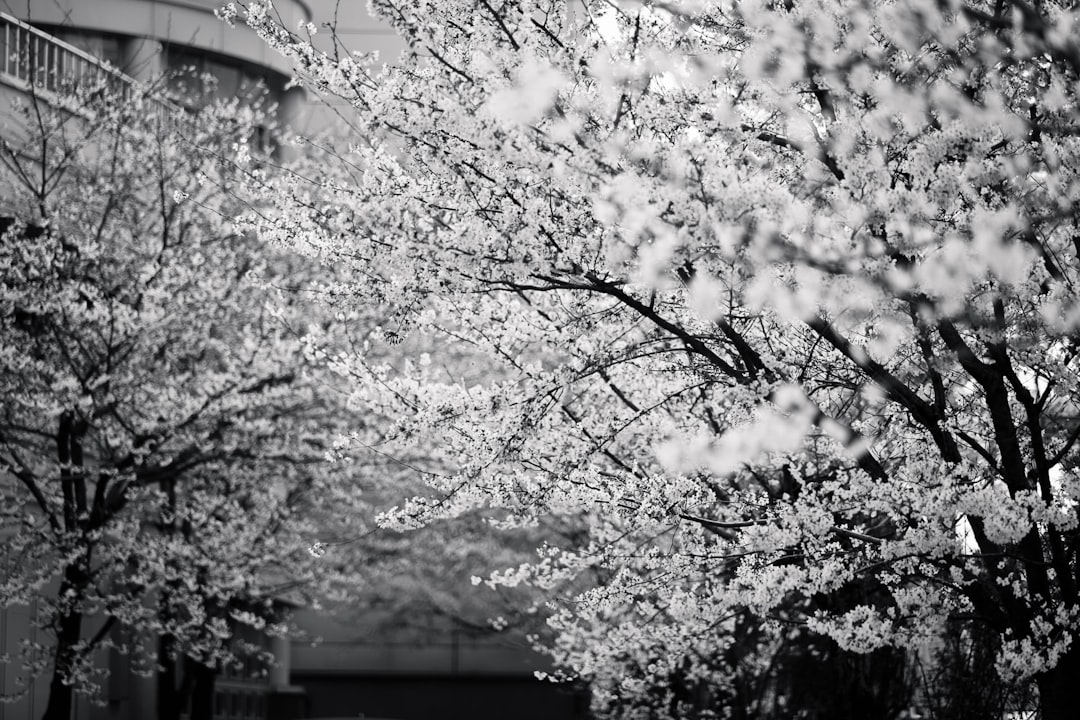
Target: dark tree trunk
(202, 694)
(69, 630)
(168, 697)
(1059, 689)
(72, 588)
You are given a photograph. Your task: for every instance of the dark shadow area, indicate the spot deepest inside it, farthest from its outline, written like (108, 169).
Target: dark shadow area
(441, 698)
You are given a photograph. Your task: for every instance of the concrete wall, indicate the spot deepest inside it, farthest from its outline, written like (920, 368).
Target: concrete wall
(429, 671)
(366, 642)
(14, 628)
(440, 697)
(11, 126)
(125, 695)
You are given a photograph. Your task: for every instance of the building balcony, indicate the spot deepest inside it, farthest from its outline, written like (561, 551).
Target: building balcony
(34, 64)
(169, 23)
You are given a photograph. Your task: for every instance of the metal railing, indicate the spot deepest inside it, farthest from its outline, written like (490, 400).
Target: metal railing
(41, 64)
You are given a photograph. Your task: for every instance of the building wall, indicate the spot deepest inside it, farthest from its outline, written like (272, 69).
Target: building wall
(431, 670)
(14, 628)
(241, 693)
(189, 23)
(125, 695)
(135, 36)
(146, 39)
(439, 697)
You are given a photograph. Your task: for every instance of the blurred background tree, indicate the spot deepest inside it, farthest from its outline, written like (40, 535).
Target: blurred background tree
(165, 430)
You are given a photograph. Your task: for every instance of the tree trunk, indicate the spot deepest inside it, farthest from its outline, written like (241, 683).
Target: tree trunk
(69, 630)
(1059, 689)
(69, 622)
(168, 697)
(202, 695)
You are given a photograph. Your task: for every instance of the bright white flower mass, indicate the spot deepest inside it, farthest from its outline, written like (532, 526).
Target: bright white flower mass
(162, 454)
(532, 92)
(762, 299)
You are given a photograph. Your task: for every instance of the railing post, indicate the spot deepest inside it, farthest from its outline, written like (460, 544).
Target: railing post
(44, 62)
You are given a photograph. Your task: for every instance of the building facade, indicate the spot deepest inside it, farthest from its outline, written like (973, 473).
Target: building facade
(148, 39)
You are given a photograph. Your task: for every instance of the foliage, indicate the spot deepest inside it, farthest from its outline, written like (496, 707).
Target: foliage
(164, 430)
(778, 298)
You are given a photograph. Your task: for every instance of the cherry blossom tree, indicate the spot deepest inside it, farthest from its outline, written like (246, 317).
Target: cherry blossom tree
(777, 299)
(165, 429)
